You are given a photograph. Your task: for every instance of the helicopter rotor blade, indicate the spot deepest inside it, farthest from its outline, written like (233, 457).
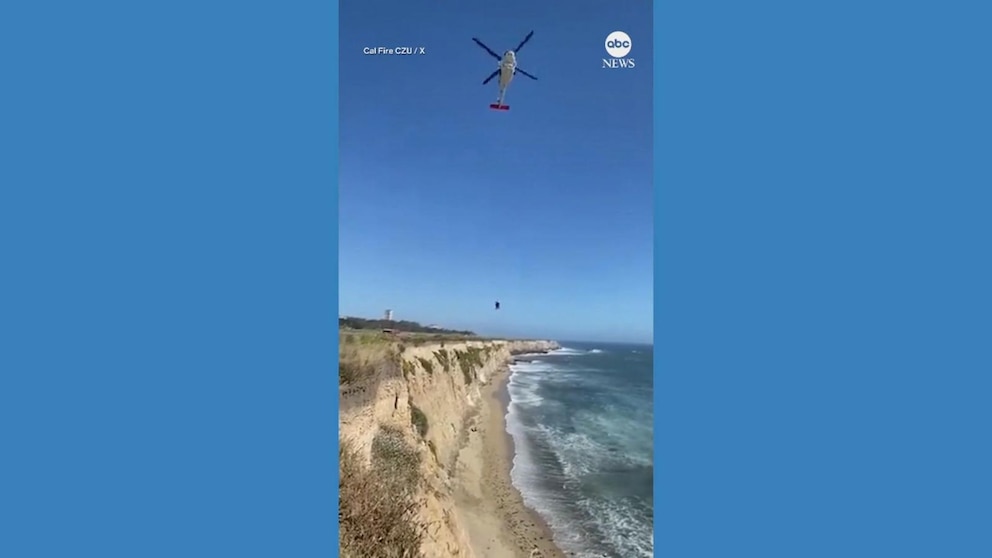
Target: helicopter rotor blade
(491, 76)
(526, 74)
(523, 42)
(489, 50)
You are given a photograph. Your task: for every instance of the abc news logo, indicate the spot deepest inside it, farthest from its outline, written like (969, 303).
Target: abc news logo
(618, 47)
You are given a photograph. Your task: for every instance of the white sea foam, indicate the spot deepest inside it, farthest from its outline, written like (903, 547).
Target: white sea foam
(524, 383)
(523, 394)
(622, 528)
(596, 448)
(567, 351)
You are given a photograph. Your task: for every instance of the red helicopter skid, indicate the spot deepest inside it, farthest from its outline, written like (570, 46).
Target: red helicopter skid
(499, 107)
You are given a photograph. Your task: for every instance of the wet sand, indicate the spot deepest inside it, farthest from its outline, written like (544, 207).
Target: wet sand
(498, 523)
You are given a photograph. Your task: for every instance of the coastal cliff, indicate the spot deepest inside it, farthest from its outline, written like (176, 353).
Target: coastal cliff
(405, 411)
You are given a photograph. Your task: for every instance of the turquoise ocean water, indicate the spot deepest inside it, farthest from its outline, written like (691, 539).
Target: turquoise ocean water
(581, 422)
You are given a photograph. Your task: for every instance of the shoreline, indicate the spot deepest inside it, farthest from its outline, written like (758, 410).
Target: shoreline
(496, 520)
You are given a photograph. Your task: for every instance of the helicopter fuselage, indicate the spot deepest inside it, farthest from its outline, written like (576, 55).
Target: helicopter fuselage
(505, 71)
(507, 67)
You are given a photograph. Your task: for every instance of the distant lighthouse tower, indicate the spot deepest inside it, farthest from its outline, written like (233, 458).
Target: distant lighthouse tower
(389, 315)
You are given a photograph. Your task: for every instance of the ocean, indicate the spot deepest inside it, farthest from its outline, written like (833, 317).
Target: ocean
(581, 419)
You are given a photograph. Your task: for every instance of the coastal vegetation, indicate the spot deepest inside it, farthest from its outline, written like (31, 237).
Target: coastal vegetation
(427, 364)
(379, 504)
(418, 419)
(363, 353)
(404, 326)
(470, 360)
(401, 339)
(361, 356)
(444, 358)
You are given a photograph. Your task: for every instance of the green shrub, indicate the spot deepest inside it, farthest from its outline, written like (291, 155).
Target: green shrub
(465, 363)
(470, 360)
(427, 364)
(474, 355)
(395, 458)
(444, 358)
(418, 419)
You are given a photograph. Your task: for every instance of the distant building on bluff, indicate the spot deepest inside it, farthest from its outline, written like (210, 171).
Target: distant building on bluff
(389, 315)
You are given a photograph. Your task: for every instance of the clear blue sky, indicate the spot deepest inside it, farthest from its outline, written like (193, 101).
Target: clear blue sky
(447, 206)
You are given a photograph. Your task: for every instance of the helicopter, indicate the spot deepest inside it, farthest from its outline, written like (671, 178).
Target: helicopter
(506, 70)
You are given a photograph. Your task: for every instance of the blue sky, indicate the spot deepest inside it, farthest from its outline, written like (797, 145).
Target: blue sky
(446, 206)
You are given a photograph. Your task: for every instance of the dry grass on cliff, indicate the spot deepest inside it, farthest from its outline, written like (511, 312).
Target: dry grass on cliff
(379, 505)
(361, 356)
(363, 353)
(371, 336)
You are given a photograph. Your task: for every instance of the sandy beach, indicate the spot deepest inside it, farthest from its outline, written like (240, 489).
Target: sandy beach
(498, 523)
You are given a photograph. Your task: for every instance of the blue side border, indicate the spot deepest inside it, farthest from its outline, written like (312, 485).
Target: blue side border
(168, 279)
(659, 454)
(822, 279)
(334, 137)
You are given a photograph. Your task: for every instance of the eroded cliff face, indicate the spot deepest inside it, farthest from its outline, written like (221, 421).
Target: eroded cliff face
(443, 382)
